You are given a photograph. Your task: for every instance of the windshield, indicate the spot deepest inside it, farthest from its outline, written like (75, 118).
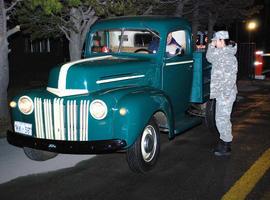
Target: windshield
(125, 40)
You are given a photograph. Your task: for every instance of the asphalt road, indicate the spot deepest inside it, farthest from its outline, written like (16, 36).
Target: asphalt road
(187, 168)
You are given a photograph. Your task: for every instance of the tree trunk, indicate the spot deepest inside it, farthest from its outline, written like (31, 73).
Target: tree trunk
(4, 71)
(74, 37)
(4, 78)
(75, 46)
(79, 31)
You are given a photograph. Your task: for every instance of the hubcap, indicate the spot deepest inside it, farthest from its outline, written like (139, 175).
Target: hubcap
(148, 143)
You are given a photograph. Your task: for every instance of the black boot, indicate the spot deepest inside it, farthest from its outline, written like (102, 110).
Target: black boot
(223, 148)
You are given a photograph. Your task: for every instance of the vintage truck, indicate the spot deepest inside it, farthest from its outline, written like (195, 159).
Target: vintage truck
(128, 88)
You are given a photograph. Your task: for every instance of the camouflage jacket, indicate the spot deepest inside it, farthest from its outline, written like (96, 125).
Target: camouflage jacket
(224, 71)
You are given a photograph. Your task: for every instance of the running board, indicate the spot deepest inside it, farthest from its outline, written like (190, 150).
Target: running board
(186, 123)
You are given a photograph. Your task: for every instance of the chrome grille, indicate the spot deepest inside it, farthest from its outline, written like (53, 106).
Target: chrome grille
(58, 119)
(39, 118)
(84, 112)
(72, 120)
(55, 120)
(48, 118)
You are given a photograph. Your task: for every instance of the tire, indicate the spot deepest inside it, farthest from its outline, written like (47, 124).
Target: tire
(143, 154)
(38, 155)
(210, 116)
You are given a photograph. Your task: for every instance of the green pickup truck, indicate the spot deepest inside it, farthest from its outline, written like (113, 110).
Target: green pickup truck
(139, 77)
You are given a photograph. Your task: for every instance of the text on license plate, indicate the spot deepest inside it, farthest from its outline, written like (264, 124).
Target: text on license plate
(24, 128)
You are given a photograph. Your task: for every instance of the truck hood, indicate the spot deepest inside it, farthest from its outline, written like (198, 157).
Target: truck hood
(96, 73)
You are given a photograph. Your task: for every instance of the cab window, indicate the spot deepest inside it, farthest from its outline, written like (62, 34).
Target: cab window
(127, 41)
(176, 43)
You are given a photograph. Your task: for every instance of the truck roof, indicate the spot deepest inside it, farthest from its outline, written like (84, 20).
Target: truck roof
(159, 23)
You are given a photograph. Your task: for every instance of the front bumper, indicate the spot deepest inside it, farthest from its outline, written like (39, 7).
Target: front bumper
(68, 147)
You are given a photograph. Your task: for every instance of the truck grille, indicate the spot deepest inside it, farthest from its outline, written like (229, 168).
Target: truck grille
(55, 120)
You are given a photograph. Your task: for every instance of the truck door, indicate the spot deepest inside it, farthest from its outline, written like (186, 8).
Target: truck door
(177, 71)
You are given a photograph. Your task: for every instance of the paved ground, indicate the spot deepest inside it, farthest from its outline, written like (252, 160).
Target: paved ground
(14, 164)
(186, 169)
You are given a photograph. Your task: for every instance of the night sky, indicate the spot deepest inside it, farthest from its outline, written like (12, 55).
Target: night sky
(261, 36)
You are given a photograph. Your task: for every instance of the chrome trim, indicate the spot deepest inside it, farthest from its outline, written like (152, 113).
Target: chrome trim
(178, 63)
(103, 104)
(84, 113)
(66, 92)
(31, 101)
(39, 118)
(149, 143)
(48, 118)
(58, 108)
(71, 120)
(57, 121)
(119, 79)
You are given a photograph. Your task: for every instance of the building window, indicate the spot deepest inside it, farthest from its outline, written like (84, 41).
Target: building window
(37, 46)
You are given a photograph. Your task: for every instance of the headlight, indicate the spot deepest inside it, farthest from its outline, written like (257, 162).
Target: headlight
(26, 105)
(98, 109)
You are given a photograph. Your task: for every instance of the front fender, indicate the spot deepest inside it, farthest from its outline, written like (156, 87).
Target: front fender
(139, 106)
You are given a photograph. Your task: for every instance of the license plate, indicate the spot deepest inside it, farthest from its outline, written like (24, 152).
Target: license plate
(24, 128)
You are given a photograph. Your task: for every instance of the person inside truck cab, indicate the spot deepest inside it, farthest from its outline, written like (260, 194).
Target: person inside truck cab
(221, 54)
(172, 47)
(153, 45)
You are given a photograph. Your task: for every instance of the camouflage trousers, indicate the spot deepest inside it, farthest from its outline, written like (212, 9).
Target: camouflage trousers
(223, 117)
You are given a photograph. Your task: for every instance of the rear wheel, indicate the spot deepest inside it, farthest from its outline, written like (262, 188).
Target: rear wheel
(210, 116)
(143, 154)
(38, 155)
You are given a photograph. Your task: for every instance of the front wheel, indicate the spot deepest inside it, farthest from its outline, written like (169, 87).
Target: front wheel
(143, 154)
(38, 155)
(210, 116)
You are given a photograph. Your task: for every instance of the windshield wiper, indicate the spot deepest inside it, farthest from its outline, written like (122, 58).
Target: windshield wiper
(148, 28)
(121, 40)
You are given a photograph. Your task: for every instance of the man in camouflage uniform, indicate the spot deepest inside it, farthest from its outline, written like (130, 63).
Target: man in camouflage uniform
(223, 87)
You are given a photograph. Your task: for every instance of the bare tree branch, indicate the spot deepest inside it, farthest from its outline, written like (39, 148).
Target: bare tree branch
(87, 12)
(12, 5)
(65, 31)
(86, 21)
(13, 30)
(167, 2)
(81, 11)
(61, 18)
(87, 27)
(83, 24)
(190, 11)
(185, 1)
(148, 11)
